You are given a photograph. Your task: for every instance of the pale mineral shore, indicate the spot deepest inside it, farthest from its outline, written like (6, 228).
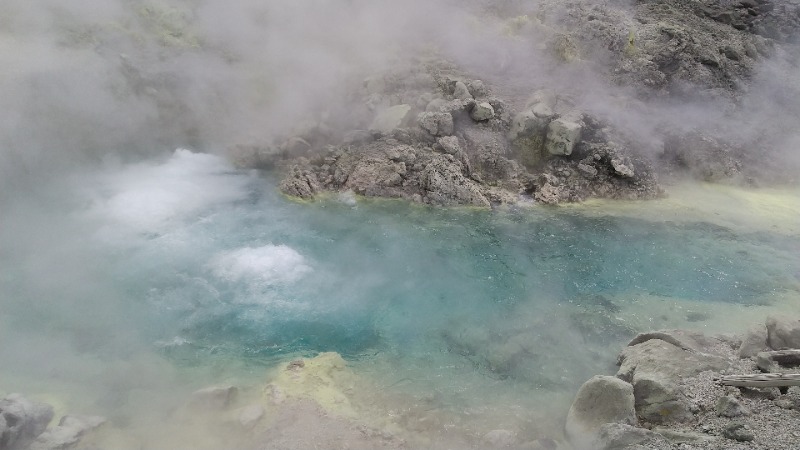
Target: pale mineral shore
(666, 395)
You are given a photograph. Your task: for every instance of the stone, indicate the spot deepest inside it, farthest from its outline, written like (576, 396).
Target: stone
(214, 397)
(738, 432)
(621, 168)
(481, 112)
(500, 438)
(528, 132)
(449, 144)
(477, 88)
(391, 119)
(654, 367)
(601, 400)
(69, 431)
(461, 91)
(753, 342)
(660, 400)
(300, 182)
(587, 170)
(783, 333)
(682, 436)
(436, 123)
(531, 122)
(729, 406)
(446, 184)
(250, 415)
(562, 135)
(612, 436)
(22, 420)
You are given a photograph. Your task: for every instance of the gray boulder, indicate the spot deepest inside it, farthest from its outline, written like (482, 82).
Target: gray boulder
(482, 112)
(449, 144)
(445, 183)
(622, 168)
(601, 400)
(22, 420)
(562, 135)
(301, 181)
(654, 366)
(437, 123)
(461, 91)
(783, 333)
(754, 342)
(729, 406)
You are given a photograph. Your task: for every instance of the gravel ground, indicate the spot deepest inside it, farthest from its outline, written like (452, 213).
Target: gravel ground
(771, 418)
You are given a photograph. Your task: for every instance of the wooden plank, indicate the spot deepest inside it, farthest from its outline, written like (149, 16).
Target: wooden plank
(784, 357)
(762, 380)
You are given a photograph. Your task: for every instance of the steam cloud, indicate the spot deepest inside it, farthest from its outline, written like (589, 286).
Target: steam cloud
(84, 81)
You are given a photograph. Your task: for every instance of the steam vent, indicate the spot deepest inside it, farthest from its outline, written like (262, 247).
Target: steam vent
(419, 224)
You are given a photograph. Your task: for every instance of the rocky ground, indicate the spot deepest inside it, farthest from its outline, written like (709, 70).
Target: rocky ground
(668, 394)
(432, 132)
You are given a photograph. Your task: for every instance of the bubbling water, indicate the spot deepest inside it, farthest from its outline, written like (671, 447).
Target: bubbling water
(194, 272)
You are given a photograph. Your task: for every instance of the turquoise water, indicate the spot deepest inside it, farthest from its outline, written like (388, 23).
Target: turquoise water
(212, 267)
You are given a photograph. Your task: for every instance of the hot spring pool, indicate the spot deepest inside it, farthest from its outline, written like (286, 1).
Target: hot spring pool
(125, 289)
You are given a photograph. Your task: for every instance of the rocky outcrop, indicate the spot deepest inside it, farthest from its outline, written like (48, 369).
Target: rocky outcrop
(676, 378)
(466, 148)
(557, 146)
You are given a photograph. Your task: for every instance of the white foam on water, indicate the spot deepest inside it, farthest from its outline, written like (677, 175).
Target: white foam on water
(148, 198)
(267, 265)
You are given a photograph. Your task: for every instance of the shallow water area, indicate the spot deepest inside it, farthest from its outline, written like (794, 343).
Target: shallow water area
(134, 285)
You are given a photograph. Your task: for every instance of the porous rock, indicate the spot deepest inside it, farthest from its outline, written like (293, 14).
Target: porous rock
(461, 92)
(436, 123)
(482, 111)
(562, 135)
